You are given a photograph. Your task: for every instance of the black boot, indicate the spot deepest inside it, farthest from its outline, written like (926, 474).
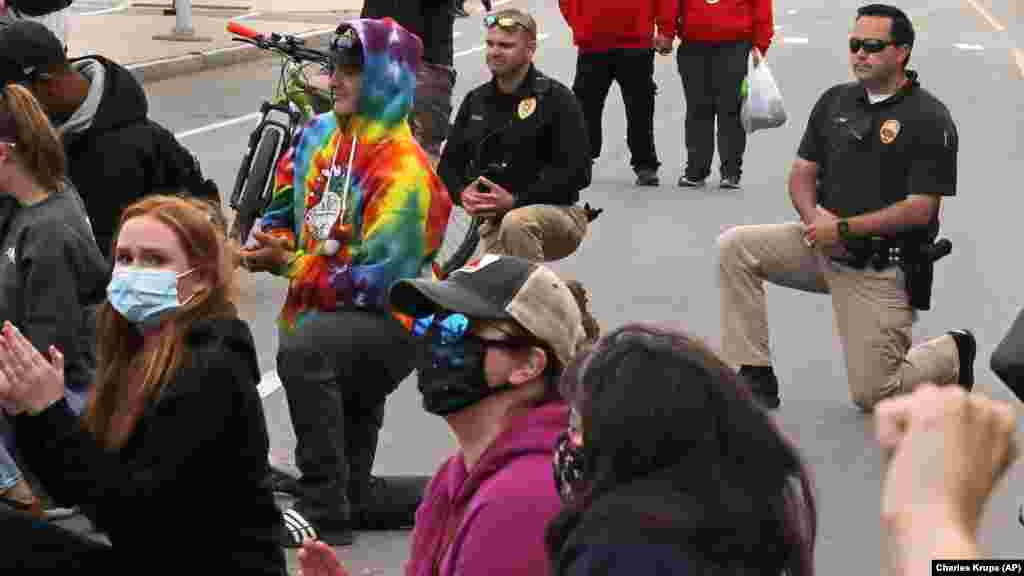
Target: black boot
(378, 503)
(967, 349)
(763, 385)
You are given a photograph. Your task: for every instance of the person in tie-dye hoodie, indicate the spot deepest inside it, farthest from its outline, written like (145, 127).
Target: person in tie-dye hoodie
(356, 208)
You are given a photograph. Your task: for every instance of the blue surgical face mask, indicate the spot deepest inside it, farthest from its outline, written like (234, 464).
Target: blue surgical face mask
(144, 295)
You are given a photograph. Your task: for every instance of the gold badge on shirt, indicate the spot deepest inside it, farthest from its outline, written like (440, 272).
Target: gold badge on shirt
(527, 107)
(890, 129)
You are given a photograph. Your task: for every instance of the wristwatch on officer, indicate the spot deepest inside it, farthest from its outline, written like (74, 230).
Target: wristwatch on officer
(844, 230)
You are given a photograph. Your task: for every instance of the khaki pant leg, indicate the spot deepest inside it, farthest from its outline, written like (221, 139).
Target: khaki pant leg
(874, 319)
(539, 232)
(748, 256)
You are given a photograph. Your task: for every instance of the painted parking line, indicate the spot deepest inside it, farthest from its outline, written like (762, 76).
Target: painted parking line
(269, 383)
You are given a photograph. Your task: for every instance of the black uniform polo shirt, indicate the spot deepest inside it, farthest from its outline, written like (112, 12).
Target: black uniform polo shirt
(870, 156)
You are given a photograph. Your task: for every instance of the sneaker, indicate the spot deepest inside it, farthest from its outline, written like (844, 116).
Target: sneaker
(967, 349)
(460, 12)
(730, 183)
(685, 182)
(764, 386)
(390, 503)
(296, 529)
(647, 177)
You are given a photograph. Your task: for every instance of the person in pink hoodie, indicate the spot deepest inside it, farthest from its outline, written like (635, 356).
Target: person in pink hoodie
(498, 334)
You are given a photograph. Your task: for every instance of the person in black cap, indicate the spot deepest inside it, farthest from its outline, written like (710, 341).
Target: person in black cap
(498, 334)
(356, 207)
(115, 153)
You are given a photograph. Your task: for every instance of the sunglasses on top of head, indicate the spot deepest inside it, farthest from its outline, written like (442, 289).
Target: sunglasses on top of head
(503, 22)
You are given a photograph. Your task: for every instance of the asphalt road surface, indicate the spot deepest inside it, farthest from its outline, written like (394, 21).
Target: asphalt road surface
(651, 255)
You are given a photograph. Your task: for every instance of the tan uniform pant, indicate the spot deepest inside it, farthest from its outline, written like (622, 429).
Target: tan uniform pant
(872, 312)
(539, 232)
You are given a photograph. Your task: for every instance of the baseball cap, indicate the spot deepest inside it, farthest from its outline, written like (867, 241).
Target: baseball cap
(502, 288)
(346, 47)
(28, 49)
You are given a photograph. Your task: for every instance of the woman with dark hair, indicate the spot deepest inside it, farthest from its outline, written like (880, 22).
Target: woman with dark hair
(668, 467)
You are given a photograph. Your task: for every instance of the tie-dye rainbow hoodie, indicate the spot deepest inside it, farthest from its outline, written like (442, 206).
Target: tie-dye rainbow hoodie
(352, 246)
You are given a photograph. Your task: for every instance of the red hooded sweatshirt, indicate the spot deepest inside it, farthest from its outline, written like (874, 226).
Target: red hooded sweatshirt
(725, 20)
(602, 25)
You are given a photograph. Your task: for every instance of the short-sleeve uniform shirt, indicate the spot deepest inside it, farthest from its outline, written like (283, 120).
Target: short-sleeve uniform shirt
(872, 155)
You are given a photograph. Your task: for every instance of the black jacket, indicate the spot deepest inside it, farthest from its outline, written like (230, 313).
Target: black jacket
(430, 20)
(188, 480)
(545, 149)
(123, 156)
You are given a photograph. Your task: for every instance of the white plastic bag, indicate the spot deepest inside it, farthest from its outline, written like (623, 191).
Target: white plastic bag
(762, 108)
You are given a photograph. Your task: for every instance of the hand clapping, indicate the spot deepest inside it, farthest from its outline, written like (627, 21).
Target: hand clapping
(28, 381)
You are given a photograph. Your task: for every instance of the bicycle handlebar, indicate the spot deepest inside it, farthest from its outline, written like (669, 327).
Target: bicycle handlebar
(291, 46)
(243, 31)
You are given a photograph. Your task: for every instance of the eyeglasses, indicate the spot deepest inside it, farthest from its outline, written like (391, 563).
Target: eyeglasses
(870, 45)
(448, 339)
(504, 22)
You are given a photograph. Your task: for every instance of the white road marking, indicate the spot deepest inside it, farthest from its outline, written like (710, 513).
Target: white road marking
(256, 115)
(969, 47)
(119, 8)
(795, 40)
(269, 383)
(218, 125)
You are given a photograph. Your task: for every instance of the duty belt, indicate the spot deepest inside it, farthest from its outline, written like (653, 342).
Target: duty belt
(880, 253)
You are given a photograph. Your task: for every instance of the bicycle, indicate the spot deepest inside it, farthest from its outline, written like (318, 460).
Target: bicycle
(295, 102)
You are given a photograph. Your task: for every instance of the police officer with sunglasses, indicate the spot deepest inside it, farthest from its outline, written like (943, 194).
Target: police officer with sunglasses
(517, 156)
(875, 161)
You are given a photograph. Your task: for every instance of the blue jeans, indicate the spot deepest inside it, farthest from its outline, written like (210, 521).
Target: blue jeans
(9, 472)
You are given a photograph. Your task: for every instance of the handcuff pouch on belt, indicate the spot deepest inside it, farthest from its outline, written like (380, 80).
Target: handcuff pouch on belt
(916, 256)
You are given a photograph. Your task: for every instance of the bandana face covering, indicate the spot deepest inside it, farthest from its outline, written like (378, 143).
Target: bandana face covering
(568, 462)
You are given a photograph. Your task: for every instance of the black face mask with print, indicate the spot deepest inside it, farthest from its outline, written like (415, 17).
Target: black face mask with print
(450, 368)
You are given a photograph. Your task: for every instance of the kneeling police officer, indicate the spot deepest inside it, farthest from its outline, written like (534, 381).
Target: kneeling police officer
(876, 159)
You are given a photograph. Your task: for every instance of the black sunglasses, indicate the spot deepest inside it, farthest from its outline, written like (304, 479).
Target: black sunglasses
(870, 45)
